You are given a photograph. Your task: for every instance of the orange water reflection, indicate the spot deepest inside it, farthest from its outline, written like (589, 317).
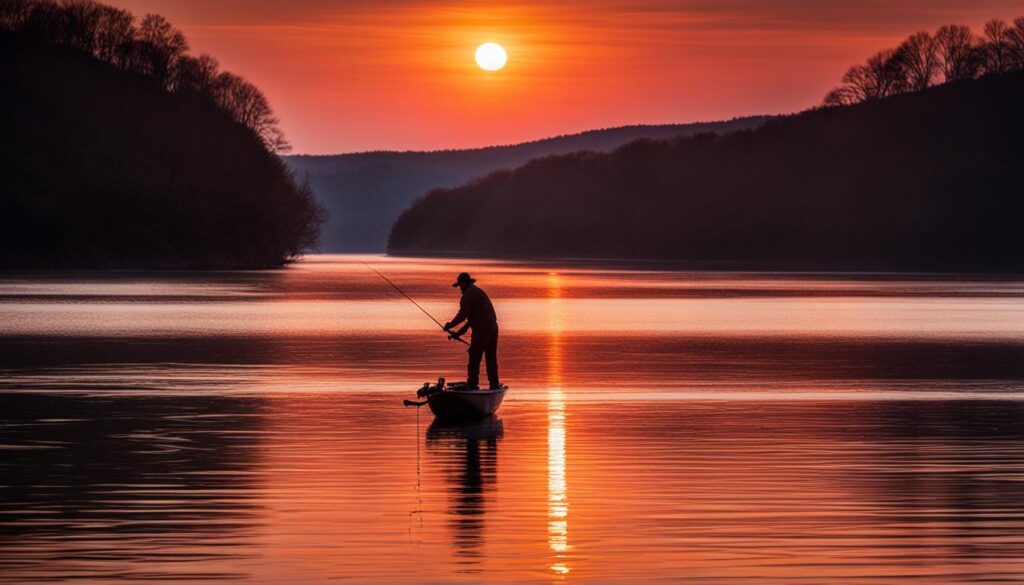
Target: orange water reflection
(558, 502)
(314, 488)
(179, 435)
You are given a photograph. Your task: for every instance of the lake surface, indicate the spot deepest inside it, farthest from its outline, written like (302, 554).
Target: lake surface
(662, 426)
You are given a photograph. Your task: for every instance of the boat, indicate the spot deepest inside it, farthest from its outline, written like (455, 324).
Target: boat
(456, 402)
(462, 404)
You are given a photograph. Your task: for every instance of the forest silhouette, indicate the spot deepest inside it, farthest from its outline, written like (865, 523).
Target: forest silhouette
(918, 181)
(122, 150)
(365, 192)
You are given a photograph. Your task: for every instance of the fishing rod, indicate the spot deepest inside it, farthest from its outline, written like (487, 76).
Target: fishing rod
(402, 292)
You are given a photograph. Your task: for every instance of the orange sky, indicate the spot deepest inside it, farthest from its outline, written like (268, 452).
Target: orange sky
(351, 75)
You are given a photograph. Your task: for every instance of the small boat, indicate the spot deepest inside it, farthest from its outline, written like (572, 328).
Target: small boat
(455, 402)
(464, 404)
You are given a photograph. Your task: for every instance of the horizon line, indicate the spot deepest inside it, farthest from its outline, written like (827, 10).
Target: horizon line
(542, 139)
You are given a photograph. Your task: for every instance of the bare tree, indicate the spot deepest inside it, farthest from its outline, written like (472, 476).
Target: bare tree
(307, 218)
(249, 107)
(958, 52)
(114, 33)
(842, 96)
(160, 45)
(1016, 38)
(44, 21)
(275, 140)
(78, 21)
(881, 76)
(998, 50)
(919, 59)
(857, 84)
(195, 75)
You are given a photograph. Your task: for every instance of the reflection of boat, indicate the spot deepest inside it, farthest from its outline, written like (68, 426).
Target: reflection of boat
(451, 404)
(486, 429)
(467, 453)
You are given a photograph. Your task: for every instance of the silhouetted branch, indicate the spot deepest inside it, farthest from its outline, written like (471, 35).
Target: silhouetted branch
(959, 55)
(918, 57)
(953, 52)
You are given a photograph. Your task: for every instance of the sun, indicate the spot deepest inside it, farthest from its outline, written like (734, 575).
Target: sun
(491, 56)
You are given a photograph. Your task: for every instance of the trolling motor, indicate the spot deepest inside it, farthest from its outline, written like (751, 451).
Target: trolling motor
(428, 390)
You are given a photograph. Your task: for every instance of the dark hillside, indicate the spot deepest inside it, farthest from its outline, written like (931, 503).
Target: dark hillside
(932, 180)
(366, 192)
(103, 167)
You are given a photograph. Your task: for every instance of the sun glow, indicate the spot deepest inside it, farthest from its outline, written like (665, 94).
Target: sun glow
(491, 57)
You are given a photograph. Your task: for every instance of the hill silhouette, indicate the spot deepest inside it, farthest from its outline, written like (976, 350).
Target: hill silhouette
(101, 166)
(918, 181)
(365, 192)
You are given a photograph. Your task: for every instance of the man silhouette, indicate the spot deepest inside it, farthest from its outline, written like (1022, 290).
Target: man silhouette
(476, 310)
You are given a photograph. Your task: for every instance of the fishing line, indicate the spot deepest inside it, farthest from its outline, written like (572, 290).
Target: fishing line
(402, 292)
(418, 512)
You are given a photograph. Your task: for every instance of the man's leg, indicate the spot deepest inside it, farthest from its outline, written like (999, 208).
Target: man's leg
(492, 361)
(476, 351)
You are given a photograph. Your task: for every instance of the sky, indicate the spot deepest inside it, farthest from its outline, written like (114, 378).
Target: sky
(357, 75)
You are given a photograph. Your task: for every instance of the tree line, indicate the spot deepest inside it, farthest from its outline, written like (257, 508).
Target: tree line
(151, 47)
(952, 53)
(927, 181)
(103, 168)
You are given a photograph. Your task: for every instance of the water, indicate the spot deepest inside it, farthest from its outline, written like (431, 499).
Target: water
(662, 426)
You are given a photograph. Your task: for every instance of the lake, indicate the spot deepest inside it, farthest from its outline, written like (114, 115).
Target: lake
(661, 426)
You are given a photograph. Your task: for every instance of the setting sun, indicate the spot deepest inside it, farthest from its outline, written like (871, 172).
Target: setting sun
(491, 56)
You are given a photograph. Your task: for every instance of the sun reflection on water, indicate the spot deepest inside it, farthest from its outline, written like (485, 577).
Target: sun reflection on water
(558, 503)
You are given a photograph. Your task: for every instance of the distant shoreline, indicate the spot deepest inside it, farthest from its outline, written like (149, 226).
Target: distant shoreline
(699, 266)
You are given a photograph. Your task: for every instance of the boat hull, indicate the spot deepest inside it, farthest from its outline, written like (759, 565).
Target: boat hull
(465, 404)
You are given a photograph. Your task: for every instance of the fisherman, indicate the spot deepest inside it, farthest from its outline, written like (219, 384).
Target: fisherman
(476, 310)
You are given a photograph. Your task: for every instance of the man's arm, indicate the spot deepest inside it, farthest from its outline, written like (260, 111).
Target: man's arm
(460, 316)
(462, 330)
(457, 334)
